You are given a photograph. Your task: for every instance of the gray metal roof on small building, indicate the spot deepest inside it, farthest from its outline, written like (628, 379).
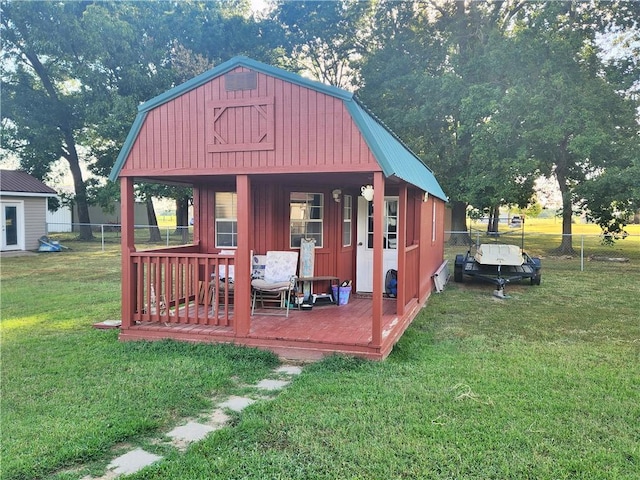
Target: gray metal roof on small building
(16, 181)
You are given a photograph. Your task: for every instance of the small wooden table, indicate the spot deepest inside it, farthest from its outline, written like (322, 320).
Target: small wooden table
(333, 280)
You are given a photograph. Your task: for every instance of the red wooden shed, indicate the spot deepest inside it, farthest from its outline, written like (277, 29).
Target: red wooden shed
(274, 158)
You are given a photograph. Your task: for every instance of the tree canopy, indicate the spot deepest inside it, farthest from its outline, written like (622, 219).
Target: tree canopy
(491, 95)
(73, 73)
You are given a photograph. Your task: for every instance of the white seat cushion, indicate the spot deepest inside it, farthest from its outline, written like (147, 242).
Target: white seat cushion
(260, 284)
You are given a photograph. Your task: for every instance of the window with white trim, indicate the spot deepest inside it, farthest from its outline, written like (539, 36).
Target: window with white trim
(390, 224)
(306, 217)
(433, 223)
(226, 216)
(346, 220)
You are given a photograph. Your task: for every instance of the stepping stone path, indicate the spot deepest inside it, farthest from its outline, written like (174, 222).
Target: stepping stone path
(194, 431)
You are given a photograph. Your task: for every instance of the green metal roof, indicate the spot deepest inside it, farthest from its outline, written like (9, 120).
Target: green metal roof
(392, 155)
(395, 158)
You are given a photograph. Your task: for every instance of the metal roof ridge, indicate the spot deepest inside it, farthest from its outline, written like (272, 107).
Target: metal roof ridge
(241, 61)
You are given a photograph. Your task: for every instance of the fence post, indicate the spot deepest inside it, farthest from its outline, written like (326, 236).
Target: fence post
(582, 253)
(102, 235)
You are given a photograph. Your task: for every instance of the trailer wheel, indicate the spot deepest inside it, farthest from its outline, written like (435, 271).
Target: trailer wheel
(457, 268)
(537, 263)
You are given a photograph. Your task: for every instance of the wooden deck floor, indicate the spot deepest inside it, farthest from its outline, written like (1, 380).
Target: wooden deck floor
(304, 335)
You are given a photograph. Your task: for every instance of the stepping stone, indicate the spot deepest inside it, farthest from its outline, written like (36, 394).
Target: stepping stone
(237, 404)
(272, 384)
(218, 419)
(132, 462)
(191, 432)
(289, 370)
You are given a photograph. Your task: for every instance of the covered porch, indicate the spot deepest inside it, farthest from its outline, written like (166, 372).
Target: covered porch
(187, 293)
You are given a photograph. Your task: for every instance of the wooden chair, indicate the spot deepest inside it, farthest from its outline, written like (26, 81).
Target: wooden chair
(278, 282)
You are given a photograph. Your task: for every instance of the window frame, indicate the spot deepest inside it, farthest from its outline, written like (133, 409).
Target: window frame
(232, 220)
(433, 223)
(388, 233)
(347, 207)
(310, 206)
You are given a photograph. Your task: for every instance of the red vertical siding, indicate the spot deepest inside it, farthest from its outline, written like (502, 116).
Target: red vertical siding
(311, 131)
(270, 225)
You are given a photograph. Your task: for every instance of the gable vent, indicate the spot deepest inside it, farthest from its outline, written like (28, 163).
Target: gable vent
(240, 81)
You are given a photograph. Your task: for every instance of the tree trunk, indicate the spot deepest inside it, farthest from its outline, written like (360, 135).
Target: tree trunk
(83, 207)
(494, 220)
(182, 218)
(71, 152)
(80, 189)
(154, 231)
(460, 233)
(566, 245)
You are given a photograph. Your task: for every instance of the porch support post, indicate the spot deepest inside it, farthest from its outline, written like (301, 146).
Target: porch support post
(128, 246)
(378, 234)
(242, 300)
(401, 298)
(424, 218)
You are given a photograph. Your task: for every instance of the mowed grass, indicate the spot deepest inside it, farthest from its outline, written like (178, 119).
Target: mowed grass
(70, 393)
(545, 384)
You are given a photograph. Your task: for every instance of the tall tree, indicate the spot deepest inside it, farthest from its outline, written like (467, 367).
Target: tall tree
(436, 78)
(326, 39)
(73, 73)
(492, 94)
(574, 120)
(42, 106)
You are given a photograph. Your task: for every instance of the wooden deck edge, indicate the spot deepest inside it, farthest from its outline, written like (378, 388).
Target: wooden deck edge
(288, 350)
(411, 312)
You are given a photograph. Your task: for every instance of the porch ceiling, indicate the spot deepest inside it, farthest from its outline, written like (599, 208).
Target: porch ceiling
(329, 179)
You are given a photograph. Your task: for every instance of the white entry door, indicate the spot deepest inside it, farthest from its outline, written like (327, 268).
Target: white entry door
(12, 226)
(364, 260)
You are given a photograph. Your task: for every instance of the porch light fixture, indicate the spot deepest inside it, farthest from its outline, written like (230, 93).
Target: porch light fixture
(336, 195)
(426, 197)
(367, 192)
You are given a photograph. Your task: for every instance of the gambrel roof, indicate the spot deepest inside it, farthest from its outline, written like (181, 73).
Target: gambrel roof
(393, 157)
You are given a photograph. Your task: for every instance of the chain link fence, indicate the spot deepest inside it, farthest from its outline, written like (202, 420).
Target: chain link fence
(585, 247)
(110, 234)
(580, 247)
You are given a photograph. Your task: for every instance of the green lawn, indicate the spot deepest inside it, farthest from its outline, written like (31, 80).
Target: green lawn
(545, 384)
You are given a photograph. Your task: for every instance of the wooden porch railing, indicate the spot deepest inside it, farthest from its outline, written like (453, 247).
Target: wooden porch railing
(182, 288)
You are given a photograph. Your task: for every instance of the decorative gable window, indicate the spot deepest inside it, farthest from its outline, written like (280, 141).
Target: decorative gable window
(226, 213)
(240, 81)
(306, 217)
